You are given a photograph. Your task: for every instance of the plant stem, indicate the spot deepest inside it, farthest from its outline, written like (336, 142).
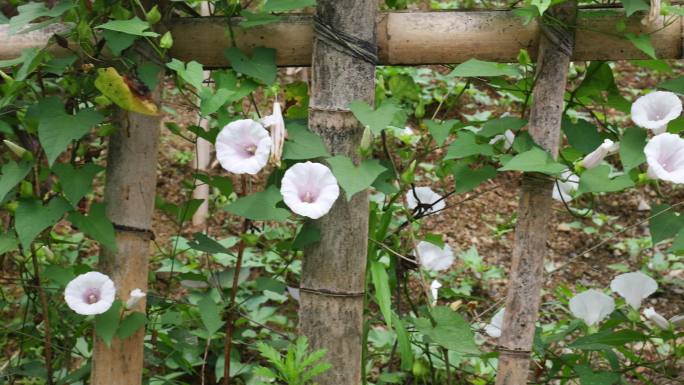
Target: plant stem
(46, 319)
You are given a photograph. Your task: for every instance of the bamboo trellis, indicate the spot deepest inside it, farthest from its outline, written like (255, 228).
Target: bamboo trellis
(407, 38)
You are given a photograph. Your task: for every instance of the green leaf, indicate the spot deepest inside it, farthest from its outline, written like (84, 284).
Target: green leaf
(57, 129)
(583, 136)
(223, 183)
(534, 160)
(632, 6)
(118, 41)
(302, 144)
(58, 274)
(355, 178)
(450, 330)
(260, 206)
(467, 179)
(589, 377)
(632, 148)
(382, 290)
(597, 180)
(8, 242)
(542, 5)
(31, 218)
(210, 313)
(643, 43)
(607, 339)
(11, 174)
(206, 244)
(96, 225)
(287, 5)
(308, 235)
(479, 68)
(440, 130)
(34, 10)
(376, 120)
(179, 214)
(256, 19)
(192, 72)
(499, 126)
(677, 244)
(76, 182)
(403, 343)
(131, 324)
(466, 145)
(133, 26)
(261, 66)
(664, 222)
(674, 85)
(107, 323)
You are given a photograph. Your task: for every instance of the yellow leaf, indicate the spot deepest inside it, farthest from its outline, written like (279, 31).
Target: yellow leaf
(114, 86)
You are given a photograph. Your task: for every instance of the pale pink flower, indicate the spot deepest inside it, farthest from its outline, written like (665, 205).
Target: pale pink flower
(90, 293)
(309, 189)
(278, 133)
(434, 288)
(665, 157)
(591, 306)
(656, 318)
(135, 296)
(655, 110)
(425, 196)
(243, 147)
(433, 257)
(508, 137)
(634, 287)
(595, 158)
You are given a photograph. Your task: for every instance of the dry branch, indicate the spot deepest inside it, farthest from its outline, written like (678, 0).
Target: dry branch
(535, 205)
(407, 38)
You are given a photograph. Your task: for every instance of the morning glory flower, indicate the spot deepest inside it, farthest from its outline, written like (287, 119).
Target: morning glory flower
(565, 186)
(596, 157)
(134, 297)
(90, 293)
(634, 287)
(309, 189)
(508, 137)
(434, 287)
(665, 157)
(678, 320)
(433, 257)
(493, 328)
(424, 196)
(591, 306)
(655, 110)
(656, 318)
(278, 133)
(243, 147)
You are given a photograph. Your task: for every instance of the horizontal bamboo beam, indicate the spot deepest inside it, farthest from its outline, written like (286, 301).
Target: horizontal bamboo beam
(405, 38)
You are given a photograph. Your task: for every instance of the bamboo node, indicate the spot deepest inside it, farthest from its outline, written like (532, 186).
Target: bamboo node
(344, 42)
(149, 233)
(332, 293)
(504, 351)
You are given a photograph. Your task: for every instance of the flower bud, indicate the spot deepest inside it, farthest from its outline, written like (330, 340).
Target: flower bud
(134, 297)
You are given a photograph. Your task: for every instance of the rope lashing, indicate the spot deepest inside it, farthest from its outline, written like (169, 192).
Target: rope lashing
(344, 42)
(561, 36)
(149, 233)
(331, 293)
(513, 352)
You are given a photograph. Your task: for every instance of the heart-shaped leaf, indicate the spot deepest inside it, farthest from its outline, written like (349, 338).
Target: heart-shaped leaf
(261, 66)
(31, 218)
(375, 120)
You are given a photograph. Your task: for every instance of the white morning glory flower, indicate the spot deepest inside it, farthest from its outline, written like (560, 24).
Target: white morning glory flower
(656, 318)
(90, 293)
(243, 147)
(565, 186)
(278, 133)
(634, 287)
(665, 157)
(309, 189)
(425, 196)
(595, 158)
(493, 328)
(655, 110)
(434, 258)
(434, 287)
(591, 306)
(134, 297)
(508, 137)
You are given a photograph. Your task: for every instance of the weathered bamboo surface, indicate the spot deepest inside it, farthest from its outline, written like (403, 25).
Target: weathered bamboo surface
(407, 38)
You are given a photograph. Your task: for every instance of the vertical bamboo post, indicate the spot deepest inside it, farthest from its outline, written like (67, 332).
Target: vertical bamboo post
(129, 194)
(333, 273)
(526, 277)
